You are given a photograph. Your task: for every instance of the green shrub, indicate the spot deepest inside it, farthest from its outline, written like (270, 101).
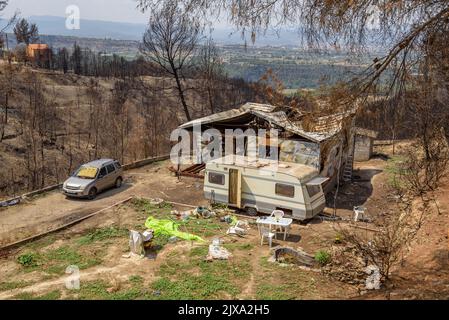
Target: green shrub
(28, 260)
(323, 257)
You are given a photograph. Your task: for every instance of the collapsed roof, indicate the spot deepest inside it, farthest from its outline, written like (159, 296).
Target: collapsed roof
(324, 129)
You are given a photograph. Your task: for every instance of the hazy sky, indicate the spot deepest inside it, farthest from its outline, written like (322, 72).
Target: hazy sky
(109, 10)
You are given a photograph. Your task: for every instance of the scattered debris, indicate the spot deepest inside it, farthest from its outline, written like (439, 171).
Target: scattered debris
(374, 278)
(185, 216)
(9, 203)
(359, 214)
(148, 235)
(328, 217)
(216, 252)
(232, 220)
(204, 213)
(236, 231)
(239, 229)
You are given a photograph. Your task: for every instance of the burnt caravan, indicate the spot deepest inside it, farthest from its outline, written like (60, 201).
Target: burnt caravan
(265, 185)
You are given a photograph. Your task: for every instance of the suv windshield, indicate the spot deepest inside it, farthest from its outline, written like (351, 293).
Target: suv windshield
(86, 173)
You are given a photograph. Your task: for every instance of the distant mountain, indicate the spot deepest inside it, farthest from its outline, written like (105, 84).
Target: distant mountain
(50, 25)
(89, 28)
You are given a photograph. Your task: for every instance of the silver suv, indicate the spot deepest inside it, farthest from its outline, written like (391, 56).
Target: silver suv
(92, 178)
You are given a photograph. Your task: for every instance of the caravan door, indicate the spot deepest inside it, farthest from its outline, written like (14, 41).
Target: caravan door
(235, 188)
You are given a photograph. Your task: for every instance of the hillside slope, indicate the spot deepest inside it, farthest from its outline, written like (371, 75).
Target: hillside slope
(58, 121)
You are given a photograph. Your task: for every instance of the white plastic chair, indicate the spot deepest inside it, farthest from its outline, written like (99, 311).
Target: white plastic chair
(278, 215)
(359, 213)
(266, 233)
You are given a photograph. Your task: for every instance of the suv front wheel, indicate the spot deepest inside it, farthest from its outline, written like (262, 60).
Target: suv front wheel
(92, 193)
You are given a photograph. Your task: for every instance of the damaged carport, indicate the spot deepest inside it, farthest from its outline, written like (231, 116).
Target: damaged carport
(327, 144)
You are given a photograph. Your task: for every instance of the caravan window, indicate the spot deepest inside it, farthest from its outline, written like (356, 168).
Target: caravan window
(313, 190)
(285, 190)
(216, 178)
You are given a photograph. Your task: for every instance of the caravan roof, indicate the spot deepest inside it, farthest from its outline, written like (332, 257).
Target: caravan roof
(300, 171)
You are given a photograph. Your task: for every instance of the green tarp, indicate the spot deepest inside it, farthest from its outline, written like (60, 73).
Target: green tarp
(169, 228)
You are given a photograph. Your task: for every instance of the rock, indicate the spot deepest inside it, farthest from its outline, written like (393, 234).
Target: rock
(156, 202)
(173, 239)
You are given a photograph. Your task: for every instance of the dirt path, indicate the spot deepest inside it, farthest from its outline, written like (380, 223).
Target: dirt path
(54, 209)
(118, 271)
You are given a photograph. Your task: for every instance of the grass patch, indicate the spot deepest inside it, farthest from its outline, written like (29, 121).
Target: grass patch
(41, 243)
(59, 259)
(100, 235)
(7, 286)
(201, 227)
(54, 295)
(199, 251)
(56, 261)
(276, 292)
(136, 280)
(81, 252)
(395, 171)
(160, 241)
(145, 206)
(190, 287)
(98, 290)
(239, 246)
(285, 283)
(191, 277)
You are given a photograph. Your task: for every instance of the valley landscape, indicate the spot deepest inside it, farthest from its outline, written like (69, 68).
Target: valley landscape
(355, 209)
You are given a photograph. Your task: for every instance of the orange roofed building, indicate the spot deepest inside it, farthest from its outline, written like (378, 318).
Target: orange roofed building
(38, 53)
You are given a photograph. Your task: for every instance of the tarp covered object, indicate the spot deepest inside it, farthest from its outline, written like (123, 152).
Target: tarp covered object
(136, 243)
(169, 228)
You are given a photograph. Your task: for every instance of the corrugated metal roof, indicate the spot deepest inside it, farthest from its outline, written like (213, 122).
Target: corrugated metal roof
(268, 113)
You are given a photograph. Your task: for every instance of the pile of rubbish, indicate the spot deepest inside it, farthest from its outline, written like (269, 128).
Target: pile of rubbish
(239, 228)
(139, 241)
(200, 212)
(9, 203)
(217, 252)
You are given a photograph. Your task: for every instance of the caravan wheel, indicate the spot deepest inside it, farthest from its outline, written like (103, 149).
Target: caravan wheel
(251, 211)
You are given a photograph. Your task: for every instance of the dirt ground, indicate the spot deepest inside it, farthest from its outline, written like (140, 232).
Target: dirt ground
(53, 209)
(178, 270)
